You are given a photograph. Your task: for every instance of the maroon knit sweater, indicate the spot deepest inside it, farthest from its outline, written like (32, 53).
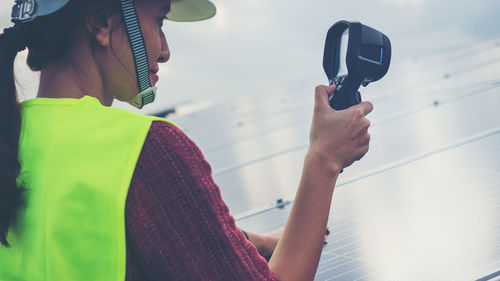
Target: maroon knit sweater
(178, 227)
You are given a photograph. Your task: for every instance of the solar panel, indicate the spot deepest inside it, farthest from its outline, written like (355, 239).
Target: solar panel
(423, 204)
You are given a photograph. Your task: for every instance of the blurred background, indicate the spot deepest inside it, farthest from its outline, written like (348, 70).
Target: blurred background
(424, 203)
(276, 47)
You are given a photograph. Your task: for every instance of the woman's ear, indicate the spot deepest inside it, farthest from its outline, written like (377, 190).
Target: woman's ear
(99, 25)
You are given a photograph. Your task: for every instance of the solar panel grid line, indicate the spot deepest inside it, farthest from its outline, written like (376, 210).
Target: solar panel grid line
(346, 202)
(360, 209)
(430, 105)
(343, 275)
(433, 80)
(341, 232)
(375, 124)
(494, 276)
(423, 257)
(491, 203)
(459, 97)
(429, 93)
(341, 183)
(363, 277)
(428, 253)
(247, 163)
(272, 222)
(333, 262)
(259, 210)
(470, 242)
(347, 266)
(475, 66)
(406, 90)
(460, 54)
(282, 126)
(371, 268)
(283, 122)
(280, 120)
(275, 222)
(450, 270)
(272, 227)
(370, 275)
(466, 59)
(430, 79)
(344, 229)
(470, 234)
(424, 155)
(341, 202)
(483, 177)
(229, 111)
(447, 268)
(327, 257)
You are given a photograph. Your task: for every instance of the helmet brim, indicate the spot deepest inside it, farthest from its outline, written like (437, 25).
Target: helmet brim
(191, 10)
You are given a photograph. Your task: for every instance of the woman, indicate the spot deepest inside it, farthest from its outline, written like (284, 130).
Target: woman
(112, 195)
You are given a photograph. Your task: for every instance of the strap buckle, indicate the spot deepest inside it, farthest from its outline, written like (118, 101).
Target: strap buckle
(23, 10)
(143, 98)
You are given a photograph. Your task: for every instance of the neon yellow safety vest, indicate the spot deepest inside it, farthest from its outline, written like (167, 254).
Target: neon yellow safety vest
(77, 158)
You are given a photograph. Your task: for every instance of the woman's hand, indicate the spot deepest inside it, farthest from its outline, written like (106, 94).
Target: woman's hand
(338, 137)
(266, 243)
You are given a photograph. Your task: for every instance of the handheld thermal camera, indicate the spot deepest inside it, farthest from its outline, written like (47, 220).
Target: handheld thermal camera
(355, 55)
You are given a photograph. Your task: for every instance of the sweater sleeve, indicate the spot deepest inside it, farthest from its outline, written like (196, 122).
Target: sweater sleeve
(178, 227)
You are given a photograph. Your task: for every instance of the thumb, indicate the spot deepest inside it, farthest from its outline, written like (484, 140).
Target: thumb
(365, 107)
(322, 93)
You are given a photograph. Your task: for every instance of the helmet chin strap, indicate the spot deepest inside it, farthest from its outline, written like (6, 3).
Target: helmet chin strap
(147, 92)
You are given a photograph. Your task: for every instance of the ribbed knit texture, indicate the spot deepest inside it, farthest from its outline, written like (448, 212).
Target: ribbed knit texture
(178, 227)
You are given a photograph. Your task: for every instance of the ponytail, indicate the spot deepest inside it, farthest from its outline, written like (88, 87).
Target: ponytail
(11, 195)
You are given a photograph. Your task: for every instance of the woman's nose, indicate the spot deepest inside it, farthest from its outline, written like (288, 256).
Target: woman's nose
(165, 51)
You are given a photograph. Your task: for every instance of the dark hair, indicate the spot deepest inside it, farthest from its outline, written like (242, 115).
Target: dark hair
(48, 39)
(10, 122)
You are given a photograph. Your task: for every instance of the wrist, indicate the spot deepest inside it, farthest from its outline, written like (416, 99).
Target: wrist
(323, 162)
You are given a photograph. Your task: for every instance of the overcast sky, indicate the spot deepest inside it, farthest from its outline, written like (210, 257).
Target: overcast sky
(267, 47)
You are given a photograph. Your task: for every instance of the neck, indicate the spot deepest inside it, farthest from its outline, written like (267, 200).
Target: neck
(73, 78)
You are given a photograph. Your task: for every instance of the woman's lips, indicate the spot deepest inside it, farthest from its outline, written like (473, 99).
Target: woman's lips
(153, 77)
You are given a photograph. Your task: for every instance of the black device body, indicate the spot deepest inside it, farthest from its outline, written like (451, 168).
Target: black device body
(367, 59)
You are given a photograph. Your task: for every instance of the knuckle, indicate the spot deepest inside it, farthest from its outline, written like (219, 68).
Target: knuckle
(365, 149)
(368, 123)
(358, 112)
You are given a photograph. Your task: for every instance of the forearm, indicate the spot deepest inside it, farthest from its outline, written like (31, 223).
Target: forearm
(297, 255)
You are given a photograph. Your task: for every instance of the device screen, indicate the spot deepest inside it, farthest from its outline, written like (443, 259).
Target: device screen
(344, 39)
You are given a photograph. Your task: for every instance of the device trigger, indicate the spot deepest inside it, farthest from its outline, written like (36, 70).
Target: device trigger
(358, 96)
